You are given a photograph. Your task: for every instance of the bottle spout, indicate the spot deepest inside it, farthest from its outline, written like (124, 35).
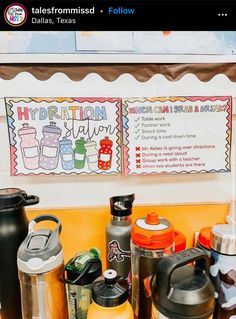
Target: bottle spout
(122, 205)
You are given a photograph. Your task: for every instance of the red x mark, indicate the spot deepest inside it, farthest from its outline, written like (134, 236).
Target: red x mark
(137, 149)
(138, 166)
(138, 161)
(137, 154)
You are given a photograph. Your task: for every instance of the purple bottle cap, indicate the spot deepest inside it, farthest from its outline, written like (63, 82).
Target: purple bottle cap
(52, 128)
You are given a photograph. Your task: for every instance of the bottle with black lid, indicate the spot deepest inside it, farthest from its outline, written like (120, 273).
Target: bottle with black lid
(110, 298)
(81, 271)
(13, 230)
(181, 287)
(118, 234)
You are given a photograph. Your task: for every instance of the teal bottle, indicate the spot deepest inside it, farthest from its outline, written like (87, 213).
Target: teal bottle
(80, 153)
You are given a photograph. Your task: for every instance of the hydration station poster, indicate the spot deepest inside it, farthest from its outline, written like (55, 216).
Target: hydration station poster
(177, 134)
(64, 135)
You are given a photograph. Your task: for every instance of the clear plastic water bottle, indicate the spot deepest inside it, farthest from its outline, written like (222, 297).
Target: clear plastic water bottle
(41, 272)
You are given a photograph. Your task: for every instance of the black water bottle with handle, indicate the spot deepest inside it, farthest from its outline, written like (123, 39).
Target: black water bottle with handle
(13, 230)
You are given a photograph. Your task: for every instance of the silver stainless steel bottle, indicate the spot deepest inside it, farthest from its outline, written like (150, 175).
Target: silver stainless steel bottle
(41, 273)
(118, 234)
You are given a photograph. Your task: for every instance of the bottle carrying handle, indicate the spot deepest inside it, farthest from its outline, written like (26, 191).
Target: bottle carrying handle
(169, 264)
(29, 200)
(41, 218)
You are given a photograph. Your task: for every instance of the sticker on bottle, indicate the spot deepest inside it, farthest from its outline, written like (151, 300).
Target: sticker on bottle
(31, 152)
(93, 158)
(49, 151)
(115, 252)
(79, 157)
(67, 157)
(105, 157)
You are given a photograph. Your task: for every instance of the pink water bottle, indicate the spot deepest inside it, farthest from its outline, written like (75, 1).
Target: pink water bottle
(29, 146)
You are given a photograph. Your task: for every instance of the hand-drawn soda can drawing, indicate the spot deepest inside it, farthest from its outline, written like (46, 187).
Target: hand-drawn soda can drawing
(29, 146)
(223, 270)
(80, 153)
(66, 154)
(49, 147)
(105, 154)
(91, 155)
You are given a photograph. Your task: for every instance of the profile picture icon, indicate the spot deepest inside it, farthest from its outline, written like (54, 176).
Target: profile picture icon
(15, 14)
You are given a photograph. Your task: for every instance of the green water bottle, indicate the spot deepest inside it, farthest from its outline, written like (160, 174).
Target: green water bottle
(80, 153)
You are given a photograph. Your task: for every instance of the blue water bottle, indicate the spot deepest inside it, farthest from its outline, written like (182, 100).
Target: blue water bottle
(67, 154)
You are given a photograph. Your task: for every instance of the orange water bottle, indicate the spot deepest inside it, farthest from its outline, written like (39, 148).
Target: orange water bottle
(110, 298)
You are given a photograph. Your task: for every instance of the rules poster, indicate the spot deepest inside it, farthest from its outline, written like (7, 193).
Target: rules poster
(53, 136)
(174, 135)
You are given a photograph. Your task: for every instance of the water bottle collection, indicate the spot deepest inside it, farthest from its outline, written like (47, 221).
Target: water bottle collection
(46, 153)
(150, 273)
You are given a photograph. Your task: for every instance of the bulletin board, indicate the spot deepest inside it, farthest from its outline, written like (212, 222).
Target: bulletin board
(123, 81)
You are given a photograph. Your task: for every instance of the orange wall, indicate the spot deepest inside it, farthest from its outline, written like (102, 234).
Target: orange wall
(83, 228)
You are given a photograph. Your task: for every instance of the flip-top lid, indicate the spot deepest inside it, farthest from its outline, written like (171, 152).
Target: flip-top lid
(41, 250)
(84, 268)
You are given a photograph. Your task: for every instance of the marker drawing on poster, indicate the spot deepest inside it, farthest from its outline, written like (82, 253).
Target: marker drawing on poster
(53, 136)
(177, 134)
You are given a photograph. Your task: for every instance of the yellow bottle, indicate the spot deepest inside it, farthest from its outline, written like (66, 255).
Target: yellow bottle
(110, 298)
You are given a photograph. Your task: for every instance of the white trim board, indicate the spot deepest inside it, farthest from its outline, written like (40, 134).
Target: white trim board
(114, 58)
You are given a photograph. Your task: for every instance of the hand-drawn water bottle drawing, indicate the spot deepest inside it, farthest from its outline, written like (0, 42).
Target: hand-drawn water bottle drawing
(91, 155)
(105, 154)
(49, 146)
(66, 154)
(29, 146)
(80, 153)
